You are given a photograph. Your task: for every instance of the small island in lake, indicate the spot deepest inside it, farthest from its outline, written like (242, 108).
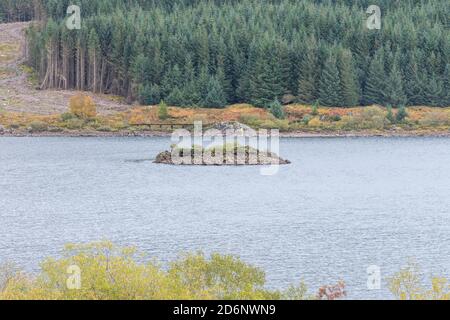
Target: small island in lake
(228, 154)
(231, 155)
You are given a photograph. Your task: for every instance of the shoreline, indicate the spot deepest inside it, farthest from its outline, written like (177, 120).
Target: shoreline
(162, 134)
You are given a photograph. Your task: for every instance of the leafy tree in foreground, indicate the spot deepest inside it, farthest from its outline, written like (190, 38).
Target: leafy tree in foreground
(114, 273)
(109, 272)
(408, 284)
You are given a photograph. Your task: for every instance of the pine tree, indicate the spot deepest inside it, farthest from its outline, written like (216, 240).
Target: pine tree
(282, 66)
(225, 82)
(94, 59)
(156, 63)
(315, 108)
(376, 80)
(348, 80)
(393, 92)
(413, 86)
(243, 90)
(329, 89)
(171, 81)
(390, 114)
(445, 100)
(190, 90)
(257, 54)
(163, 112)
(401, 114)
(308, 73)
(434, 91)
(265, 76)
(202, 85)
(149, 94)
(277, 110)
(215, 98)
(175, 98)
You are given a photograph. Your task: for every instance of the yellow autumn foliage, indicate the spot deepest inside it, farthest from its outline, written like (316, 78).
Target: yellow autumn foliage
(420, 120)
(82, 106)
(108, 272)
(315, 122)
(407, 284)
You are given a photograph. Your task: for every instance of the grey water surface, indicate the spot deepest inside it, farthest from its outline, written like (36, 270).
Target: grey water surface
(343, 205)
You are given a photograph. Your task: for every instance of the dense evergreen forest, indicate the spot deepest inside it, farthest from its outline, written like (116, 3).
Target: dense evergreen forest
(214, 53)
(17, 10)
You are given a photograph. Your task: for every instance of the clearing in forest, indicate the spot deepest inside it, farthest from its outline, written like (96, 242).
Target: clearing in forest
(18, 91)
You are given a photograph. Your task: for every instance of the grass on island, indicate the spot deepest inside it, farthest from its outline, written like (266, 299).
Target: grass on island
(302, 118)
(103, 271)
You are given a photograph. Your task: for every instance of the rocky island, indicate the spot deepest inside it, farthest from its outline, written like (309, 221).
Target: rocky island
(234, 155)
(231, 154)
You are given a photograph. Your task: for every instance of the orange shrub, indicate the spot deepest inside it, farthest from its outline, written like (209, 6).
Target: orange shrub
(82, 106)
(435, 118)
(142, 115)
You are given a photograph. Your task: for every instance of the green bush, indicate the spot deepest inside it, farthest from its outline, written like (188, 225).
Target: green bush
(38, 126)
(390, 115)
(409, 284)
(75, 124)
(336, 118)
(67, 116)
(435, 119)
(369, 118)
(104, 129)
(277, 110)
(402, 114)
(306, 119)
(282, 125)
(13, 126)
(250, 120)
(115, 273)
(315, 109)
(163, 112)
(55, 129)
(119, 125)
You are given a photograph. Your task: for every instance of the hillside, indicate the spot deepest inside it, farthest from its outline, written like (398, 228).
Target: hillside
(25, 110)
(221, 52)
(18, 91)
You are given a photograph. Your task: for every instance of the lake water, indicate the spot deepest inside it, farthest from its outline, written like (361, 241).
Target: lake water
(342, 206)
